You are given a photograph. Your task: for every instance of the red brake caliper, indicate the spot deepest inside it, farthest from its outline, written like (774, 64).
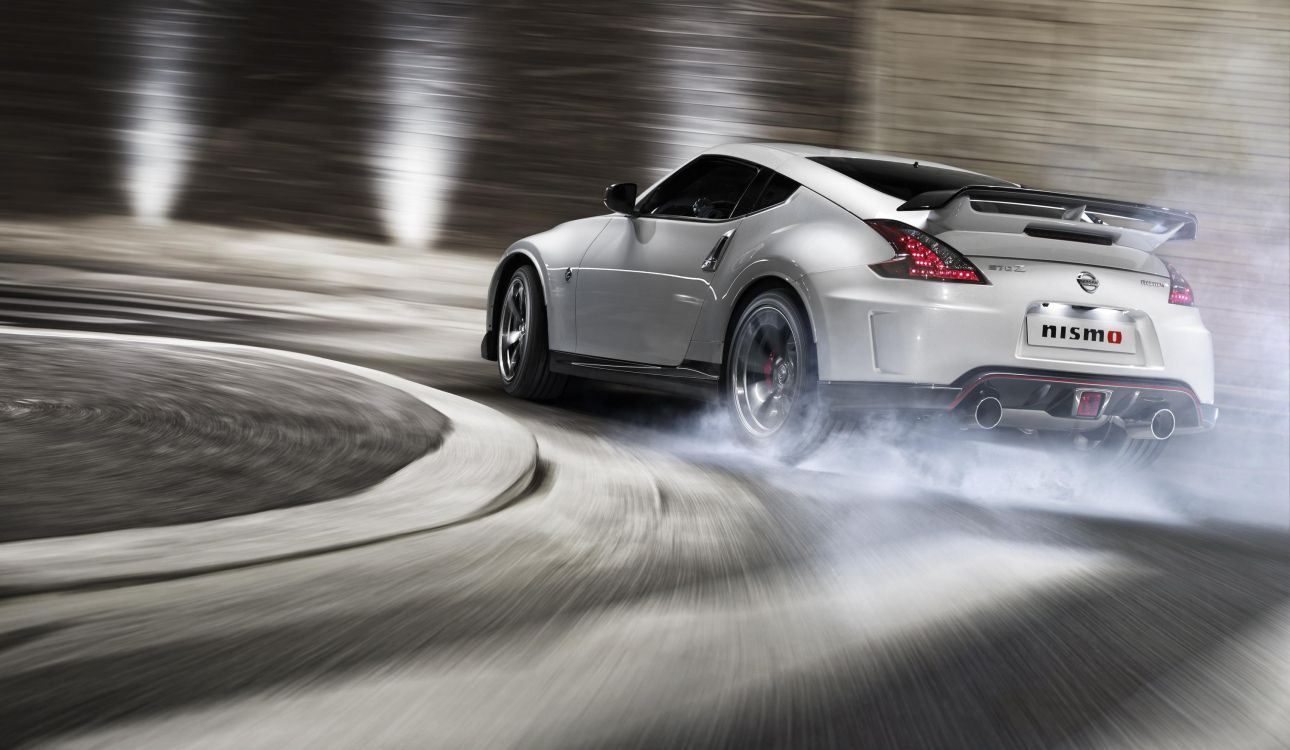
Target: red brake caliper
(769, 368)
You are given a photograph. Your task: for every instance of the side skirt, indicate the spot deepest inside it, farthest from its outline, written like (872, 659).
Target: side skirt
(690, 378)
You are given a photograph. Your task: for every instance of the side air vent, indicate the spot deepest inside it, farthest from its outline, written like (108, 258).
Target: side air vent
(1092, 237)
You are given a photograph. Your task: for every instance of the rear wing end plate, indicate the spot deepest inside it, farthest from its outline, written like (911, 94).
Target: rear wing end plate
(1010, 205)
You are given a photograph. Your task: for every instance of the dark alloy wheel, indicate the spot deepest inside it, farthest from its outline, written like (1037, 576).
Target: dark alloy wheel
(771, 383)
(522, 339)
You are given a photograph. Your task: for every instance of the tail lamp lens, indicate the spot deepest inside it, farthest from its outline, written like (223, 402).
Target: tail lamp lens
(921, 256)
(1179, 289)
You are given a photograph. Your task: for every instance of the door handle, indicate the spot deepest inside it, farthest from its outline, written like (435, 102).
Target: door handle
(714, 257)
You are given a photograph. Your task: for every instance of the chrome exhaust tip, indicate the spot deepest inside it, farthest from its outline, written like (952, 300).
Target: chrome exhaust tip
(988, 413)
(1160, 426)
(1163, 423)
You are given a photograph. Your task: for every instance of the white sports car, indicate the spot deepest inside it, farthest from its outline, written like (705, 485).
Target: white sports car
(801, 284)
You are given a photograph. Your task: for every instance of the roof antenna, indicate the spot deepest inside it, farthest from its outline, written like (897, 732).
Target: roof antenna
(915, 164)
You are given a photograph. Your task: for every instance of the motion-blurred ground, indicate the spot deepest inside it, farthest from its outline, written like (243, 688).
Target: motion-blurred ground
(656, 587)
(420, 315)
(100, 435)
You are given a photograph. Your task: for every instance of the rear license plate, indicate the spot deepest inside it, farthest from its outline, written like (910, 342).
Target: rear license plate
(1079, 333)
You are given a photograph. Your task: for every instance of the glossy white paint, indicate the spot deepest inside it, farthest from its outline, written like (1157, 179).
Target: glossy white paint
(923, 332)
(638, 283)
(640, 288)
(555, 252)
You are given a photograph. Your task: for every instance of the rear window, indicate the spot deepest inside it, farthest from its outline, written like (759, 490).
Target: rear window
(904, 181)
(776, 191)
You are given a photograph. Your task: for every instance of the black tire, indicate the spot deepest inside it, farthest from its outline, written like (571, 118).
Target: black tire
(1132, 453)
(1109, 447)
(776, 410)
(522, 360)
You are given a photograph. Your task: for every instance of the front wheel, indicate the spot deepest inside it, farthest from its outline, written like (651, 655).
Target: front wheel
(522, 339)
(771, 385)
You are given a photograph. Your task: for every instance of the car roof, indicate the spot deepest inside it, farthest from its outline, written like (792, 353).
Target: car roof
(794, 161)
(767, 152)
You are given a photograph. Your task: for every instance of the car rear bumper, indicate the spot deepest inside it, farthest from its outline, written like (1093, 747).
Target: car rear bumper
(1038, 399)
(905, 331)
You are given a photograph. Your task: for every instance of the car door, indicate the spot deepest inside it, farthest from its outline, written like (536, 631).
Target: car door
(641, 284)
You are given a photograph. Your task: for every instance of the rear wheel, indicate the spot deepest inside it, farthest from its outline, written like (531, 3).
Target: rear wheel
(771, 385)
(522, 339)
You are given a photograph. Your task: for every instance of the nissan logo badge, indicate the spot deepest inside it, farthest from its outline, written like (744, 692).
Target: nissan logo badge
(1087, 282)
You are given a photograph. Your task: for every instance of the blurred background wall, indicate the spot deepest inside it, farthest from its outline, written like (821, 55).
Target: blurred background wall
(464, 125)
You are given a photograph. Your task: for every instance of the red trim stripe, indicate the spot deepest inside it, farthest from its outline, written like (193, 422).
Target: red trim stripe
(967, 390)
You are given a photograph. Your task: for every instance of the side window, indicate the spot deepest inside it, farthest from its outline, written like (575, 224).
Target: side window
(776, 191)
(707, 188)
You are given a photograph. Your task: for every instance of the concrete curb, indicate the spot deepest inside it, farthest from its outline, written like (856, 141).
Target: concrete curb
(486, 460)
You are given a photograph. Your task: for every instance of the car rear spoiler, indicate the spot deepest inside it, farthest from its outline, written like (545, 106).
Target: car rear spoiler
(1102, 220)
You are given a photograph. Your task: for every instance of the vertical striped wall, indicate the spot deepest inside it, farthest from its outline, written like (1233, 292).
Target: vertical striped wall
(572, 96)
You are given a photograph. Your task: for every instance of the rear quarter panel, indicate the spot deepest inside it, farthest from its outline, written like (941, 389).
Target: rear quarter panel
(793, 242)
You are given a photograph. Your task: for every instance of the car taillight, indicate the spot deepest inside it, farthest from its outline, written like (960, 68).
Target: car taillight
(1179, 289)
(921, 256)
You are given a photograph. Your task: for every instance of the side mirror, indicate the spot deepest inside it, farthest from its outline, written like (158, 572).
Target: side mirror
(621, 198)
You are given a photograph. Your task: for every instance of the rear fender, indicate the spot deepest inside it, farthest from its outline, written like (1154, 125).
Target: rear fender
(807, 236)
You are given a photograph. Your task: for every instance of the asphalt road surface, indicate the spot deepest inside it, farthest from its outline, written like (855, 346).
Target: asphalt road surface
(100, 435)
(658, 588)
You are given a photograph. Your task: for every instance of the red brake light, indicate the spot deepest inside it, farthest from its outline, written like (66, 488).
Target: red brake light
(1179, 289)
(921, 256)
